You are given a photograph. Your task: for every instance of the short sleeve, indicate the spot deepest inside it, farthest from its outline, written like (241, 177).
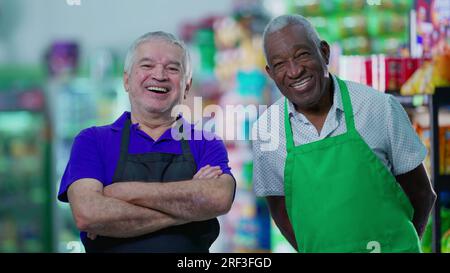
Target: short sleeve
(406, 151)
(213, 153)
(84, 162)
(266, 178)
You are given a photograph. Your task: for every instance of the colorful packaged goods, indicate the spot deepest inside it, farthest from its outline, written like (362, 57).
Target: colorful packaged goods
(430, 75)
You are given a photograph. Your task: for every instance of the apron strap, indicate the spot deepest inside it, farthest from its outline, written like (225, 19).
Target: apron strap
(288, 128)
(348, 110)
(184, 144)
(123, 151)
(186, 150)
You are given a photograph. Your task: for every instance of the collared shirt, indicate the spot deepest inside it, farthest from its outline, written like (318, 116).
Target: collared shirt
(96, 151)
(379, 118)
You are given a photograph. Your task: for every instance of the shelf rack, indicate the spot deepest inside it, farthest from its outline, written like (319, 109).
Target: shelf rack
(439, 99)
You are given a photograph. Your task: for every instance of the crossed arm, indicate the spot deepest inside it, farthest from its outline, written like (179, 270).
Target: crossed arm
(130, 209)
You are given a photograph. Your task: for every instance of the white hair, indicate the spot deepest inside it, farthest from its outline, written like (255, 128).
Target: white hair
(163, 36)
(282, 21)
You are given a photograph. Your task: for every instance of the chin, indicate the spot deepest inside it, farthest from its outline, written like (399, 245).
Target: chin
(155, 110)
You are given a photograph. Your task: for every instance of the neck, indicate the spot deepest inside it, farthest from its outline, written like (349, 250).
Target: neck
(324, 104)
(318, 113)
(153, 124)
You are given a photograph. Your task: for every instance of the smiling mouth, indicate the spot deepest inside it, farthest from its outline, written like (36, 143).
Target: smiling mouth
(156, 89)
(300, 84)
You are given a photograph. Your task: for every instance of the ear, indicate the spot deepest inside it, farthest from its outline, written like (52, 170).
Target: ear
(325, 51)
(188, 88)
(126, 84)
(269, 72)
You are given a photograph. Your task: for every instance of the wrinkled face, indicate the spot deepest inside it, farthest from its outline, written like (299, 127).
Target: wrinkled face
(157, 80)
(297, 66)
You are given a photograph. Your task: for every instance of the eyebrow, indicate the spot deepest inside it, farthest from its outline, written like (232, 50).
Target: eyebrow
(146, 59)
(295, 48)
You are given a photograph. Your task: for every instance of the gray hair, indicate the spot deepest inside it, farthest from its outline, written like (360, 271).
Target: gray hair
(282, 21)
(162, 36)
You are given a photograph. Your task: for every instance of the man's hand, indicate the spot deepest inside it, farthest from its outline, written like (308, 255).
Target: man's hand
(208, 172)
(126, 190)
(207, 195)
(98, 214)
(91, 236)
(121, 190)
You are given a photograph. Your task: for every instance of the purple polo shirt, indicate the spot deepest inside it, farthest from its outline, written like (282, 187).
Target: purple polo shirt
(96, 151)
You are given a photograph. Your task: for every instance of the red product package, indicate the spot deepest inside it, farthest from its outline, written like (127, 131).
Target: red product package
(407, 68)
(368, 64)
(393, 73)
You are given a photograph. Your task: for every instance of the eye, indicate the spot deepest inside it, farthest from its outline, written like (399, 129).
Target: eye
(278, 64)
(301, 54)
(174, 69)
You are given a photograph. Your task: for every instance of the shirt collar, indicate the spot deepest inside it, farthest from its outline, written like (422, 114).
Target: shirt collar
(337, 103)
(119, 123)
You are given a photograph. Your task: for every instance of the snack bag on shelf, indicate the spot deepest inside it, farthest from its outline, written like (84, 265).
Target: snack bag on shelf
(441, 77)
(430, 75)
(412, 85)
(420, 82)
(407, 67)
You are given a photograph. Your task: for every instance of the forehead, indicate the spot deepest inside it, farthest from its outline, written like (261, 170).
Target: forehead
(159, 50)
(289, 37)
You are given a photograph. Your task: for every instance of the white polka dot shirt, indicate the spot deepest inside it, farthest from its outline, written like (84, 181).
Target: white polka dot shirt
(379, 118)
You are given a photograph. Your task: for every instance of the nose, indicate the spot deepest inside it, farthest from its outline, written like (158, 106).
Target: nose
(294, 69)
(159, 73)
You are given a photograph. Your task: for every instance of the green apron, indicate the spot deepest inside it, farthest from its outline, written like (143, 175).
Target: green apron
(341, 198)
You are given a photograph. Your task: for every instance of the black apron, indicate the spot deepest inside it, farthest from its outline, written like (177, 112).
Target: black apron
(157, 167)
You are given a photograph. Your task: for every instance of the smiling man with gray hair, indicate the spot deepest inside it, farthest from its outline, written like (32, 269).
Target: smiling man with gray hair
(348, 175)
(132, 187)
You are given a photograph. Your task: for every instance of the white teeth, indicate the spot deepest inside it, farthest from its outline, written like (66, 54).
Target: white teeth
(301, 83)
(157, 89)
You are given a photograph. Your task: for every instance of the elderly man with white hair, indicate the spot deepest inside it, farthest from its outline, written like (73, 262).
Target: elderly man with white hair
(135, 185)
(347, 175)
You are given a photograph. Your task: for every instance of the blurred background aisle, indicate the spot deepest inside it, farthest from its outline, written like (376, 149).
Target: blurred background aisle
(61, 71)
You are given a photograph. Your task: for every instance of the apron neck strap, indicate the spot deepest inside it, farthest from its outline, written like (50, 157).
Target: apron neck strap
(184, 143)
(123, 151)
(124, 143)
(287, 127)
(348, 110)
(126, 139)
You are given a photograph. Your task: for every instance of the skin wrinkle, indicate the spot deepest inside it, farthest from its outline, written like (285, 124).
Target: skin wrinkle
(285, 39)
(105, 211)
(293, 57)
